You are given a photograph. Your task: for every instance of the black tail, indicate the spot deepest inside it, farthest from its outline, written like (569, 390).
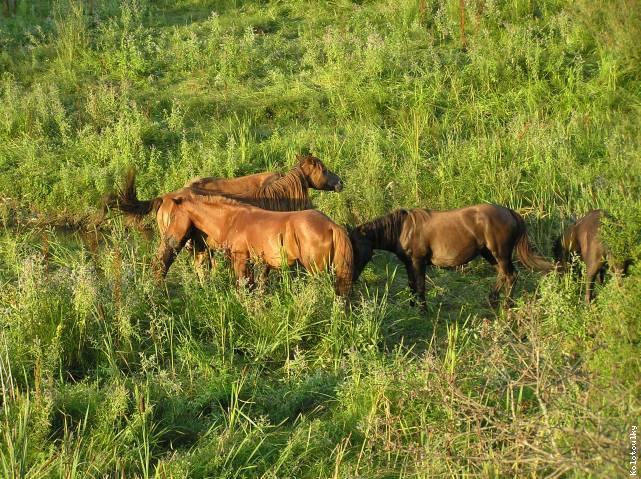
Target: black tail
(127, 199)
(526, 252)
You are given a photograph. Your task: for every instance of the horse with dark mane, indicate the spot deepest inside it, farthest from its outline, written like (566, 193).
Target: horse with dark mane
(582, 239)
(244, 231)
(271, 191)
(421, 237)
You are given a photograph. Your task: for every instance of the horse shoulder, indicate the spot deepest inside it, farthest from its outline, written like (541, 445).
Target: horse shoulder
(413, 230)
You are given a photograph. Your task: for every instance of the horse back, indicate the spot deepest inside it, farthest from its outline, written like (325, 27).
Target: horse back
(472, 223)
(241, 186)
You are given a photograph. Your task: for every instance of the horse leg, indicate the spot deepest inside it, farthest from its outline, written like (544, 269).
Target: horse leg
(506, 269)
(242, 270)
(199, 259)
(168, 249)
(493, 297)
(592, 269)
(205, 261)
(201, 253)
(411, 278)
(419, 265)
(415, 267)
(264, 275)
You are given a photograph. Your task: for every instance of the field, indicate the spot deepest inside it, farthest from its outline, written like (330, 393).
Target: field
(531, 104)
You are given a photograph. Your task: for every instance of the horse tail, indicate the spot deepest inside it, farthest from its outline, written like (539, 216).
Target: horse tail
(525, 251)
(343, 260)
(127, 199)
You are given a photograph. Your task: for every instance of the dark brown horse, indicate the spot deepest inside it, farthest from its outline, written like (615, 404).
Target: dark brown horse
(422, 237)
(277, 192)
(243, 231)
(582, 239)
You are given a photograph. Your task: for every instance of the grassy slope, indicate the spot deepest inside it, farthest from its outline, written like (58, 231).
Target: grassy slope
(103, 373)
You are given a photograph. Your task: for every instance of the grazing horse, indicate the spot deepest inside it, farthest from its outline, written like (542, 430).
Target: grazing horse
(278, 192)
(421, 237)
(273, 237)
(582, 239)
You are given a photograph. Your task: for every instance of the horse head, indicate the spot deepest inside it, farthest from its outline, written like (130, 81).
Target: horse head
(317, 174)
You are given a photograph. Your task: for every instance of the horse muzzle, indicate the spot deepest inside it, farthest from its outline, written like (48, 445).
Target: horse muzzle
(339, 187)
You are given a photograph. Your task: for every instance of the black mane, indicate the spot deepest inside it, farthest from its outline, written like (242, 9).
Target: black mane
(385, 230)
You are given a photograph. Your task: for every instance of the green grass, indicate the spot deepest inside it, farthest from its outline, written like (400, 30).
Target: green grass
(104, 374)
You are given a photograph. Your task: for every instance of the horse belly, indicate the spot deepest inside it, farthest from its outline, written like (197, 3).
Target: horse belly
(452, 254)
(273, 251)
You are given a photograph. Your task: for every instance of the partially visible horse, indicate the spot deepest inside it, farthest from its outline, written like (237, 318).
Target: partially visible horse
(272, 191)
(582, 238)
(274, 238)
(421, 237)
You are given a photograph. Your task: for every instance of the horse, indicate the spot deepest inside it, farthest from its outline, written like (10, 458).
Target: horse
(278, 192)
(582, 238)
(422, 237)
(246, 232)
(288, 194)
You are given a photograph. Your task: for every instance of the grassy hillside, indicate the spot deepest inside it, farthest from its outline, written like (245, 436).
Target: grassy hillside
(103, 374)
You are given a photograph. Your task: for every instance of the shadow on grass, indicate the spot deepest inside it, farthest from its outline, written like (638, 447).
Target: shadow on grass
(454, 296)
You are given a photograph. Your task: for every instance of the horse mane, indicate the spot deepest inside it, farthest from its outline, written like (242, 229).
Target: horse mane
(386, 229)
(287, 193)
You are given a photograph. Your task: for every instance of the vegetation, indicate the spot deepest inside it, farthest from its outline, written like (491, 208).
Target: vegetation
(104, 374)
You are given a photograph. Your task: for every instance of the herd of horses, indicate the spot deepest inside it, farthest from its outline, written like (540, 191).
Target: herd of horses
(269, 218)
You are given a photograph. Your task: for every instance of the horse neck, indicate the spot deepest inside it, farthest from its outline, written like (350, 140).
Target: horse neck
(384, 232)
(287, 193)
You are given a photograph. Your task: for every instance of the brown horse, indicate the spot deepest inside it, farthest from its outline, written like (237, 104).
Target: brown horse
(272, 191)
(274, 238)
(422, 237)
(582, 239)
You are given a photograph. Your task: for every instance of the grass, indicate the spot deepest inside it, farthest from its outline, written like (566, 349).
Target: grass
(103, 374)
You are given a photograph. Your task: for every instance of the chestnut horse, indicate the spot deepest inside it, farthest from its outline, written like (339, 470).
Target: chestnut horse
(421, 237)
(273, 237)
(272, 191)
(582, 239)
